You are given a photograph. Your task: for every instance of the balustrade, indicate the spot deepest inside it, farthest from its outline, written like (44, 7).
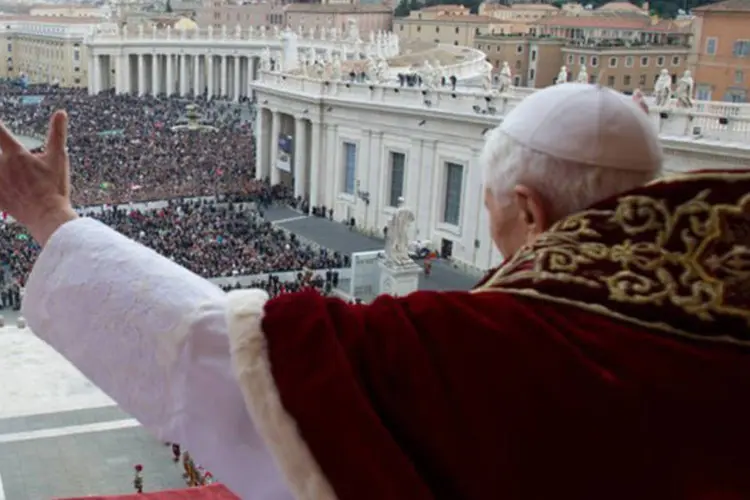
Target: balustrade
(706, 121)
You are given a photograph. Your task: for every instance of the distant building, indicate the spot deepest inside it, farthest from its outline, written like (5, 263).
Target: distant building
(373, 17)
(722, 51)
(46, 49)
(65, 10)
(620, 46)
(446, 24)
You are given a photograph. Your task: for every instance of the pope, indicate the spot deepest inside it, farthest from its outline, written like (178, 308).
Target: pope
(606, 358)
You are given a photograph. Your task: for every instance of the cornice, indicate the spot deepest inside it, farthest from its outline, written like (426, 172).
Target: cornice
(378, 107)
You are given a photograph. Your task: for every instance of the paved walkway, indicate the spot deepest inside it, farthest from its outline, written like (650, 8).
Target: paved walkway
(338, 237)
(60, 436)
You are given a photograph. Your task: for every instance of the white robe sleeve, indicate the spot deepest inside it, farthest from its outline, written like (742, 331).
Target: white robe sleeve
(153, 336)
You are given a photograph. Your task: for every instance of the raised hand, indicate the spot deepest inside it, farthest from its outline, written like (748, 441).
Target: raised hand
(640, 100)
(35, 188)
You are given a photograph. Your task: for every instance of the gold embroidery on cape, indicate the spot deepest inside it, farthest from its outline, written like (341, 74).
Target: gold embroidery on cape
(684, 269)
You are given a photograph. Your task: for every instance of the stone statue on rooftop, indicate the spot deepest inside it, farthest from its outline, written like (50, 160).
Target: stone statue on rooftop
(334, 31)
(381, 70)
(685, 90)
(583, 75)
(487, 82)
(504, 79)
(251, 32)
(371, 69)
(397, 241)
(352, 32)
(223, 31)
(663, 88)
(427, 74)
(238, 32)
(262, 32)
(276, 32)
(265, 59)
(562, 76)
(336, 71)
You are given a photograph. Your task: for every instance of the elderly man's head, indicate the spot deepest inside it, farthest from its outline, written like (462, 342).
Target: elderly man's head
(558, 152)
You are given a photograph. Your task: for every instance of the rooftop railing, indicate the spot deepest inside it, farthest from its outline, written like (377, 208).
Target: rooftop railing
(705, 122)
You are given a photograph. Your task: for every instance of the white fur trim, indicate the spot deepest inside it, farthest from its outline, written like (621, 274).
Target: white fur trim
(253, 371)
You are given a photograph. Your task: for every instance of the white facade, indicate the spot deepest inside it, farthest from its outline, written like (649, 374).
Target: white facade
(221, 63)
(359, 146)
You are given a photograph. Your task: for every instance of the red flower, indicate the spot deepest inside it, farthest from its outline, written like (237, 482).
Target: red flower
(138, 468)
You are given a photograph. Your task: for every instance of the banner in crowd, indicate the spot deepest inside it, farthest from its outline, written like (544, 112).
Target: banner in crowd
(32, 100)
(286, 146)
(116, 132)
(365, 280)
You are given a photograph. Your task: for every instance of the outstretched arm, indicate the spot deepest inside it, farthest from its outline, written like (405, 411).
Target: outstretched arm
(153, 336)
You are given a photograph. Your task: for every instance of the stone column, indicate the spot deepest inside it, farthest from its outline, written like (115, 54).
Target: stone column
(96, 75)
(183, 75)
(197, 75)
(170, 74)
(260, 146)
(275, 129)
(237, 77)
(315, 138)
(154, 74)
(141, 75)
(250, 75)
(224, 88)
(210, 75)
(300, 157)
(121, 75)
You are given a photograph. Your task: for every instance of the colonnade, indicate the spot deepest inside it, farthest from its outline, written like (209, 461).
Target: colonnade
(183, 74)
(305, 170)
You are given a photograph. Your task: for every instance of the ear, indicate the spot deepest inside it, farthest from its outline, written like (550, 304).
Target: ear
(532, 209)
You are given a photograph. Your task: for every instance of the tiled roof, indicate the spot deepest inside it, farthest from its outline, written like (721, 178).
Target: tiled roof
(619, 6)
(726, 6)
(441, 8)
(671, 26)
(611, 22)
(332, 8)
(495, 6)
(639, 23)
(535, 6)
(471, 18)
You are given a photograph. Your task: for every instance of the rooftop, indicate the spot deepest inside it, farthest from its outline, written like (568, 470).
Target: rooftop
(619, 7)
(726, 6)
(333, 8)
(449, 18)
(51, 19)
(639, 23)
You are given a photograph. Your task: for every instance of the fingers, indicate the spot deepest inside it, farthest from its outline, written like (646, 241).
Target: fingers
(57, 136)
(8, 143)
(640, 100)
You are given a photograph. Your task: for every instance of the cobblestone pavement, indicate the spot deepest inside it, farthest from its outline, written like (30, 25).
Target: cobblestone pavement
(60, 436)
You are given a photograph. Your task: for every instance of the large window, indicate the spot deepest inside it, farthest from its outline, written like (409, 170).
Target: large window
(350, 167)
(741, 48)
(398, 163)
(711, 46)
(454, 178)
(703, 92)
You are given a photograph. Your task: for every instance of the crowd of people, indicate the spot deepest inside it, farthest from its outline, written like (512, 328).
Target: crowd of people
(126, 159)
(125, 148)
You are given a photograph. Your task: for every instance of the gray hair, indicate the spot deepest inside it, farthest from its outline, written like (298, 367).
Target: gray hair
(567, 186)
